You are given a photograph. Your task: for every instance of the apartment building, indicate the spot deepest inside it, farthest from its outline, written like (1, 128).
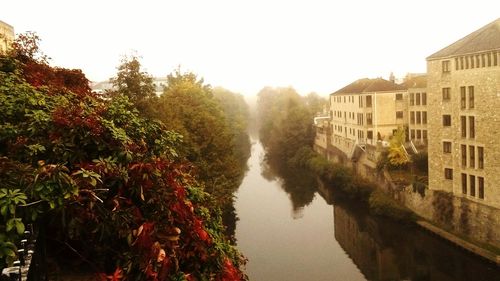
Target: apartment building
(417, 109)
(6, 36)
(463, 114)
(366, 111)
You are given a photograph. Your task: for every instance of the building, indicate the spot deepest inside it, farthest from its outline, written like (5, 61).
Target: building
(417, 109)
(463, 86)
(365, 112)
(6, 36)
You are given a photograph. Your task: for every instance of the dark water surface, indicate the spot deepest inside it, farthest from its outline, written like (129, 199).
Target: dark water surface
(289, 232)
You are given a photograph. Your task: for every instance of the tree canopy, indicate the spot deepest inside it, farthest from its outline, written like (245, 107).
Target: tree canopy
(213, 130)
(105, 181)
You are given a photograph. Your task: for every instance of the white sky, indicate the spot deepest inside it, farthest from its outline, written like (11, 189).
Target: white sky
(243, 46)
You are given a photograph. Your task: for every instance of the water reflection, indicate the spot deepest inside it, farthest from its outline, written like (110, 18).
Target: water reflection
(333, 239)
(384, 250)
(300, 185)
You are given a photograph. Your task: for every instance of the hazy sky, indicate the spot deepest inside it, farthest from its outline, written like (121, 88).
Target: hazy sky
(311, 45)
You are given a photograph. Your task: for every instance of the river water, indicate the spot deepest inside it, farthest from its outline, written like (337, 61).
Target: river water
(288, 231)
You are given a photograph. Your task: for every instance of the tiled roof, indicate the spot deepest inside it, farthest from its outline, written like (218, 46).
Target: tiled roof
(483, 39)
(415, 81)
(369, 85)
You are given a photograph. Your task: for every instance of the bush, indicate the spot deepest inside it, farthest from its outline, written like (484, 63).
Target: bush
(383, 205)
(420, 162)
(109, 179)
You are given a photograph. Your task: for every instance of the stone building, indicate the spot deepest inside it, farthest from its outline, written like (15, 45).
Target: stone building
(417, 109)
(6, 36)
(463, 86)
(365, 112)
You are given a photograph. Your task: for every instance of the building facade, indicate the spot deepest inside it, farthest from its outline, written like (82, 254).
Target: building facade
(365, 112)
(6, 36)
(417, 109)
(464, 117)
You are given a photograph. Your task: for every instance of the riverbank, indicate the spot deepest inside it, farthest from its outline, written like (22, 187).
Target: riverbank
(482, 252)
(291, 229)
(428, 209)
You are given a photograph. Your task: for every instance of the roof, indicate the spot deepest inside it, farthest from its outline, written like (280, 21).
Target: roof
(415, 81)
(484, 39)
(2, 23)
(369, 85)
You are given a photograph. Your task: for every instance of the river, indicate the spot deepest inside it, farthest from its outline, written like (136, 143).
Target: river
(287, 231)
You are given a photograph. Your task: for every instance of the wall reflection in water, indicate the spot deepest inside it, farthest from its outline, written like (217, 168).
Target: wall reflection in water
(384, 250)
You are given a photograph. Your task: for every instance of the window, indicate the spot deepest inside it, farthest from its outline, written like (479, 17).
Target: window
(412, 99)
(463, 148)
(369, 119)
(419, 118)
(472, 129)
(446, 147)
(480, 187)
(461, 62)
(412, 134)
(447, 120)
(483, 60)
(472, 155)
(412, 117)
(399, 114)
(446, 66)
(369, 135)
(417, 98)
(456, 63)
(446, 94)
(471, 61)
(368, 101)
(419, 134)
(424, 98)
(424, 134)
(424, 117)
(360, 100)
(472, 184)
(464, 183)
(471, 96)
(480, 157)
(399, 96)
(462, 97)
(463, 126)
(448, 173)
(495, 59)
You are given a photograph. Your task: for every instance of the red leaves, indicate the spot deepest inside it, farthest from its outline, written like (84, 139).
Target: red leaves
(77, 116)
(58, 79)
(116, 276)
(231, 273)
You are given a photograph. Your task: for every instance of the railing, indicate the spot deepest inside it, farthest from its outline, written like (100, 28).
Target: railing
(28, 266)
(413, 147)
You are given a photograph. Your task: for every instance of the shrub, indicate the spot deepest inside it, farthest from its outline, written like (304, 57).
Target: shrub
(383, 205)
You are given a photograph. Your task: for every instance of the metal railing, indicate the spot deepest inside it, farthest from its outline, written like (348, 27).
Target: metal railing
(28, 267)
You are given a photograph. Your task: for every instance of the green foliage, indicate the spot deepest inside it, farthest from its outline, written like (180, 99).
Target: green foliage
(381, 204)
(103, 179)
(286, 121)
(421, 162)
(136, 85)
(213, 126)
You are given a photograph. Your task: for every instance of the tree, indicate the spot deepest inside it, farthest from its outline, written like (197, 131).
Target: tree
(397, 155)
(107, 182)
(135, 84)
(188, 106)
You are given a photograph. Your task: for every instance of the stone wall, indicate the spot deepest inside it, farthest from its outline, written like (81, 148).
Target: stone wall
(462, 216)
(6, 36)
